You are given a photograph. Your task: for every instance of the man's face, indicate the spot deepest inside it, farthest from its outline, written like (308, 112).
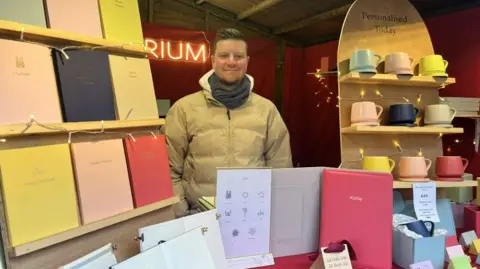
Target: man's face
(230, 60)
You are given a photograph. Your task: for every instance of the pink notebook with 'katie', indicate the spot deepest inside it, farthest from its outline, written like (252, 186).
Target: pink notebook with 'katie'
(28, 85)
(102, 179)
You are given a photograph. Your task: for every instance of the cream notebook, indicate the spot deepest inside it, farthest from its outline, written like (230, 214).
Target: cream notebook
(28, 84)
(39, 192)
(102, 179)
(80, 17)
(133, 88)
(121, 21)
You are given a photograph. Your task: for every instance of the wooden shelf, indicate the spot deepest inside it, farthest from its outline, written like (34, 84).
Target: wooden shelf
(399, 130)
(56, 128)
(13, 30)
(82, 230)
(473, 116)
(440, 184)
(389, 79)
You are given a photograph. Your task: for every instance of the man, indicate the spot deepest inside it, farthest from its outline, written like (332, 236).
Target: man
(223, 125)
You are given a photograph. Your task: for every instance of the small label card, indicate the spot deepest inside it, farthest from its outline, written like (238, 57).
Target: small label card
(422, 265)
(425, 201)
(454, 251)
(337, 260)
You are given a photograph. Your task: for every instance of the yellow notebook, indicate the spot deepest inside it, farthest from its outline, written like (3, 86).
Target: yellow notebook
(38, 191)
(133, 88)
(121, 21)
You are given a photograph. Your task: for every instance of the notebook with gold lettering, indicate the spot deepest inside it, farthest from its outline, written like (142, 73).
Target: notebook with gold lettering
(25, 12)
(80, 17)
(121, 21)
(28, 84)
(102, 179)
(38, 191)
(133, 88)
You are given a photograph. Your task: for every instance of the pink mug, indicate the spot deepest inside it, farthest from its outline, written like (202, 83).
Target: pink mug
(365, 112)
(414, 168)
(398, 63)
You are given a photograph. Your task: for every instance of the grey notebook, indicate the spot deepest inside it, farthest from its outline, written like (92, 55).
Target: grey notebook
(25, 12)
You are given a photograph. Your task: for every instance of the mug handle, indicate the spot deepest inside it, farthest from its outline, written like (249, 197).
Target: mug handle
(454, 113)
(433, 226)
(416, 111)
(380, 111)
(445, 63)
(465, 163)
(379, 59)
(411, 62)
(392, 164)
(429, 163)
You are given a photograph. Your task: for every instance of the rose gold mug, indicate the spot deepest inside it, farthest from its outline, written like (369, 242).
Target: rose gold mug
(414, 168)
(398, 63)
(365, 112)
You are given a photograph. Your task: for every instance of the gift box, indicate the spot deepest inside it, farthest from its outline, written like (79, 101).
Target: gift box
(471, 218)
(461, 195)
(407, 250)
(445, 213)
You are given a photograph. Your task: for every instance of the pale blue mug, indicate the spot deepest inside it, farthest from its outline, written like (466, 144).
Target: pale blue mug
(364, 61)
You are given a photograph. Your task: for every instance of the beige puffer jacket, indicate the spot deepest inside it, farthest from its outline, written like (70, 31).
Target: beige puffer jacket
(202, 135)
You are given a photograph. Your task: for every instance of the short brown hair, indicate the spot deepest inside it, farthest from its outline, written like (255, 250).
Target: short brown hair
(227, 34)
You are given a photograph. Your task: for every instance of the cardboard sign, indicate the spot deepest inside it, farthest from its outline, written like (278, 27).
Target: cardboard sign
(336, 260)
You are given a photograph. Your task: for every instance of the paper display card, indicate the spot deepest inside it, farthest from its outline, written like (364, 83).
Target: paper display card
(133, 88)
(251, 261)
(147, 160)
(29, 85)
(101, 258)
(187, 251)
(425, 201)
(25, 12)
(166, 231)
(39, 192)
(102, 179)
(85, 85)
(244, 202)
(333, 260)
(80, 17)
(115, 25)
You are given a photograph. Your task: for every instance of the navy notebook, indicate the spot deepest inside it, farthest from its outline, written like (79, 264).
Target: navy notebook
(85, 85)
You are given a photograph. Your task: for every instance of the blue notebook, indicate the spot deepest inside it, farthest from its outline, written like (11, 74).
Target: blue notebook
(85, 85)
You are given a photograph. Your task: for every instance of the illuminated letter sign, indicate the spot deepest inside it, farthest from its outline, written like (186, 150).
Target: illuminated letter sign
(177, 51)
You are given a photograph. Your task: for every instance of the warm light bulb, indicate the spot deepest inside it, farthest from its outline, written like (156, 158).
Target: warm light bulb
(378, 93)
(457, 141)
(362, 93)
(396, 144)
(420, 153)
(361, 152)
(419, 98)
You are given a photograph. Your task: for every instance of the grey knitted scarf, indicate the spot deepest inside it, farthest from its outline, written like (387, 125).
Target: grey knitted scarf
(231, 98)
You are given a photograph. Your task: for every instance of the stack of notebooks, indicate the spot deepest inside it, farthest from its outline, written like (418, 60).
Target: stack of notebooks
(463, 105)
(206, 203)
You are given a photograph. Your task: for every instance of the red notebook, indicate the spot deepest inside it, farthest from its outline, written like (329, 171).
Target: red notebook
(357, 206)
(149, 170)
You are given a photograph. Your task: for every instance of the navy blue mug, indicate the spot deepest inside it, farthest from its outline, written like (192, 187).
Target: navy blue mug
(420, 228)
(403, 113)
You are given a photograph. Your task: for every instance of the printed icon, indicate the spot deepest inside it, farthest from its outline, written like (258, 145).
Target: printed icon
(235, 233)
(252, 231)
(228, 213)
(245, 195)
(245, 212)
(228, 195)
(20, 62)
(261, 213)
(261, 194)
(204, 230)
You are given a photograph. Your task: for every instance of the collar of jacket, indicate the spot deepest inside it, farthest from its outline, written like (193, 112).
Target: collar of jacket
(207, 91)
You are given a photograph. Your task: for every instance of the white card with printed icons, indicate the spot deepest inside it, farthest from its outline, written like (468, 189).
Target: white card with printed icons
(244, 202)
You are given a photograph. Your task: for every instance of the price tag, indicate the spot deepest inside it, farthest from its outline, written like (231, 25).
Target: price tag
(337, 260)
(425, 201)
(422, 265)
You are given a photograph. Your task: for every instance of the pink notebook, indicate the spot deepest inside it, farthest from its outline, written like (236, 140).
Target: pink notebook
(28, 84)
(357, 206)
(80, 17)
(102, 179)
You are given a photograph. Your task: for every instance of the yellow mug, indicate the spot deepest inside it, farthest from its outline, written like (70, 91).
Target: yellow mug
(378, 164)
(432, 65)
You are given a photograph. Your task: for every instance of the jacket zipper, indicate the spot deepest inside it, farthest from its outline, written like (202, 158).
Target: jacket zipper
(229, 137)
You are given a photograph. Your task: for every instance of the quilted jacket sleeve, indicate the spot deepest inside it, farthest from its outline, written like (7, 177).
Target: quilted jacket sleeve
(175, 130)
(278, 152)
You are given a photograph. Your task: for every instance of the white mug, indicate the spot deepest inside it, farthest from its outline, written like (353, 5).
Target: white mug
(439, 114)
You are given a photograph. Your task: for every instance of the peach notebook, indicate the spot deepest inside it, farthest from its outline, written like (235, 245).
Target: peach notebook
(80, 17)
(102, 179)
(38, 191)
(133, 88)
(28, 84)
(121, 21)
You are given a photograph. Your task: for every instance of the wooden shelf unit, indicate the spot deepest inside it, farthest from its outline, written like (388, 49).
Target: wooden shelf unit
(58, 128)
(399, 130)
(13, 30)
(85, 229)
(440, 184)
(400, 80)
